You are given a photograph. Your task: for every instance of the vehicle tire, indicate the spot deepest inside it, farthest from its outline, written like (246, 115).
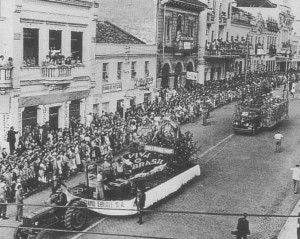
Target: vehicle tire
(19, 233)
(75, 218)
(45, 235)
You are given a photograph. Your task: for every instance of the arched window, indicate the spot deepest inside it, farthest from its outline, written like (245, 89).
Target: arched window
(179, 23)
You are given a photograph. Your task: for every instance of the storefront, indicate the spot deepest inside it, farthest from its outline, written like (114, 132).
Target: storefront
(74, 109)
(29, 117)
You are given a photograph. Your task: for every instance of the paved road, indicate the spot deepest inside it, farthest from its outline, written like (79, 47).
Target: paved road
(241, 174)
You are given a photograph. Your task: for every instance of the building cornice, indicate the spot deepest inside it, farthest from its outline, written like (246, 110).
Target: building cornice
(79, 3)
(57, 23)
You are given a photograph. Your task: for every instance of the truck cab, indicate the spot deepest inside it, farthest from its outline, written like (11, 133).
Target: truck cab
(247, 121)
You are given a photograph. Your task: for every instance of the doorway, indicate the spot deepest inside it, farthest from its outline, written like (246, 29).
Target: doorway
(53, 117)
(165, 76)
(120, 107)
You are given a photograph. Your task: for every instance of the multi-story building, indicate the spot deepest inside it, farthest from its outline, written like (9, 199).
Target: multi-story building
(38, 88)
(171, 25)
(223, 50)
(277, 20)
(125, 70)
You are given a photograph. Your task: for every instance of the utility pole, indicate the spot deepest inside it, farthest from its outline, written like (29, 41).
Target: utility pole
(246, 57)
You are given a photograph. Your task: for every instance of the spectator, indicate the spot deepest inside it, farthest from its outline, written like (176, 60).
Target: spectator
(19, 201)
(296, 177)
(11, 139)
(243, 227)
(140, 203)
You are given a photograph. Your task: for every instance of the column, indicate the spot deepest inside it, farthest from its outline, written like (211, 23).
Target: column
(171, 82)
(201, 40)
(63, 115)
(43, 44)
(66, 42)
(82, 111)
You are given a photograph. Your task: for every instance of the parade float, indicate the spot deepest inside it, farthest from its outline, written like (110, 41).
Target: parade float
(161, 160)
(260, 109)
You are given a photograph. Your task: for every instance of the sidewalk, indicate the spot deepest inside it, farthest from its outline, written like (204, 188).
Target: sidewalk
(289, 230)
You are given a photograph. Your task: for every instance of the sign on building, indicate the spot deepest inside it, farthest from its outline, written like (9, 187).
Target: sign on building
(190, 75)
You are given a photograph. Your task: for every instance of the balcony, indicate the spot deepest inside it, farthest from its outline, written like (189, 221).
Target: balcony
(210, 18)
(86, 3)
(223, 50)
(184, 46)
(223, 20)
(6, 77)
(54, 75)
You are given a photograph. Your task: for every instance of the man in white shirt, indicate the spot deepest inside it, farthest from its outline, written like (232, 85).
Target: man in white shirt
(278, 136)
(296, 177)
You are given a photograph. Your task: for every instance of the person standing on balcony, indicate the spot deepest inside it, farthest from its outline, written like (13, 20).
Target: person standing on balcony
(2, 62)
(11, 139)
(9, 62)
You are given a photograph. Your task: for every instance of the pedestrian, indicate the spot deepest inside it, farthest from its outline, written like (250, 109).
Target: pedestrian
(140, 203)
(19, 201)
(296, 177)
(45, 132)
(278, 137)
(3, 200)
(243, 227)
(11, 139)
(100, 186)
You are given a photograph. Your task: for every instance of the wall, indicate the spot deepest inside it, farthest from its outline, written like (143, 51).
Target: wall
(112, 54)
(137, 17)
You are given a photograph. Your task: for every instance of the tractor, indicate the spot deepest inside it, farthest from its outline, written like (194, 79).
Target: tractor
(40, 219)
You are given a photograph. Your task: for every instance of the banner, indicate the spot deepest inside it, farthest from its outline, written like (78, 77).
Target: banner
(143, 161)
(191, 75)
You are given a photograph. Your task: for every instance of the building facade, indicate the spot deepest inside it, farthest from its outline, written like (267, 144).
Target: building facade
(171, 25)
(125, 70)
(52, 44)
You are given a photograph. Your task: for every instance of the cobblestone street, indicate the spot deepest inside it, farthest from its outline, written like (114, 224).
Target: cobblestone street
(241, 174)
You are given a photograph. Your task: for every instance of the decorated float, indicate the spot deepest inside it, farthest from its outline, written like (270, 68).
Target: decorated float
(260, 109)
(160, 161)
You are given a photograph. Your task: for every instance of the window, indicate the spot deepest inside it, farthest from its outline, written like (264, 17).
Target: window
(54, 40)
(212, 35)
(30, 47)
(133, 69)
(227, 36)
(105, 71)
(119, 70)
(191, 25)
(168, 29)
(76, 45)
(179, 23)
(147, 68)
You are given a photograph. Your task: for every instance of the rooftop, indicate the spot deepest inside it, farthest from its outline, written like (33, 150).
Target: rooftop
(109, 33)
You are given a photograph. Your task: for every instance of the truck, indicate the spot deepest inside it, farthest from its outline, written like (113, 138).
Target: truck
(263, 111)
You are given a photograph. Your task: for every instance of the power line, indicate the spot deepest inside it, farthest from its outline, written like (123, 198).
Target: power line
(84, 232)
(158, 211)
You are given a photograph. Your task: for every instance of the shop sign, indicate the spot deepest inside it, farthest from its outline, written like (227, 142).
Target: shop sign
(187, 45)
(111, 87)
(144, 161)
(159, 149)
(143, 82)
(191, 75)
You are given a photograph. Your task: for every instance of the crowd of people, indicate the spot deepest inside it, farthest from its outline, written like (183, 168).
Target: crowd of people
(54, 58)
(43, 154)
(221, 47)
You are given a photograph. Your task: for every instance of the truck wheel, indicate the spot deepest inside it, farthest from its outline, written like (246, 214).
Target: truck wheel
(20, 234)
(75, 218)
(45, 235)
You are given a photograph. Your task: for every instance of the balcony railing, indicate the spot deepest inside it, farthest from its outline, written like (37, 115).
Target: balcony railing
(5, 74)
(227, 49)
(185, 45)
(57, 72)
(52, 73)
(210, 18)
